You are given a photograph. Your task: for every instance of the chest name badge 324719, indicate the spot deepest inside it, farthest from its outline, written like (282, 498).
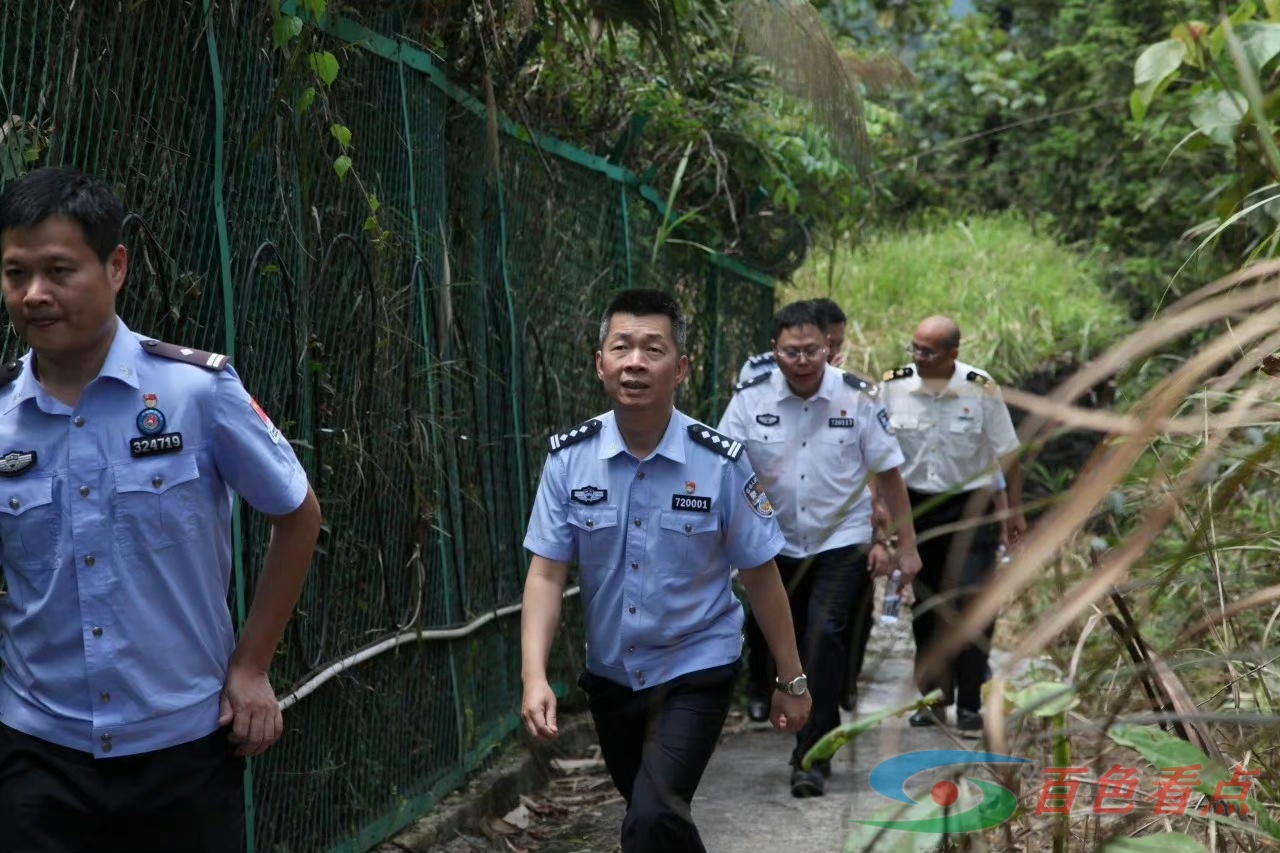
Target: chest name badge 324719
(153, 445)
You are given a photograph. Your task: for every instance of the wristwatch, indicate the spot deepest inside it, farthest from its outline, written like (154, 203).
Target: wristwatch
(797, 686)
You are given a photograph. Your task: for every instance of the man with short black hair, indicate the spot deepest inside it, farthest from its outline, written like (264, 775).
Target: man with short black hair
(654, 508)
(128, 704)
(816, 436)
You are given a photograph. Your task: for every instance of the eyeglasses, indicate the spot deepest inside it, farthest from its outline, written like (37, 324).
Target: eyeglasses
(923, 352)
(812, 353)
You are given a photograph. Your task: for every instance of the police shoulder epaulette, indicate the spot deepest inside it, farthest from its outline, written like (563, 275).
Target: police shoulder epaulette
(985, 381)
(754, 380)
(721, 444)
(207, 360)
(857, 383)
(561, 440)
(9, 371)
(900, 373)
(762, 358)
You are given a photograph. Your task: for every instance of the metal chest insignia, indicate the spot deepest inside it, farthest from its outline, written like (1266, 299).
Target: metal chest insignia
(150, 420)
(589, 495)
(767, 420)
(16, 462)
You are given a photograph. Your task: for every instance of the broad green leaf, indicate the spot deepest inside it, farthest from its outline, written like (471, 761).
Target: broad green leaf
(1045, 699)
(342, 165)
(342, 133)
(315, 8)
(373, 202)
(1158, 61)
(1170, 842)
(1261, 43)
(325, 65)
(305, 100)
(1164, 750)
(833, 740)
(286, 29)
(1138, 103)
(1217, 115)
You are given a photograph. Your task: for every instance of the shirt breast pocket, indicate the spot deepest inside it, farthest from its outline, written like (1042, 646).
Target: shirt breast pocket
(595, 529)
(840, 442)
(29, 524)
(904, 422)
(689, 540)
(158, 503)
(965, 432)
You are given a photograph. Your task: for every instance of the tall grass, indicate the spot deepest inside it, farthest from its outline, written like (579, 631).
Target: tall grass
(1020, 298)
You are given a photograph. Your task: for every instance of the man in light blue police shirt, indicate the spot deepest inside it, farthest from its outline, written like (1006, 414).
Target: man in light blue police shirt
(654, 507)
(127, 705)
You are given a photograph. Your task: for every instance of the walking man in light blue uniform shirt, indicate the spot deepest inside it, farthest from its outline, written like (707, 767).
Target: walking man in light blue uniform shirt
(127, 705)
(654, 508)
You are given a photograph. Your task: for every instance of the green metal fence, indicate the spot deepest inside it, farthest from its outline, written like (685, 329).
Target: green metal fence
(417, 373)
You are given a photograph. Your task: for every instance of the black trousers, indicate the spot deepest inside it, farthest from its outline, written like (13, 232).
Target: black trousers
(955, 567)
(186, 798)
(824, 590)
(656, 743)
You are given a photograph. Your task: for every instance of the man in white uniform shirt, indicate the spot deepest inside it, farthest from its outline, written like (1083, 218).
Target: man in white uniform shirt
(815, 435)
(956, 434)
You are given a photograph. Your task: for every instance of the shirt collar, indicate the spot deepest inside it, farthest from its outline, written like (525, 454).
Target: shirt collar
(120, 364)
(671, 446)
(826, 388)
(954, 386)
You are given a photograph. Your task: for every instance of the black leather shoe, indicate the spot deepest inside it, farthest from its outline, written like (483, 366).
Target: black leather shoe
(807, 783)
(758, 710)
(968, 721)
(927, 717)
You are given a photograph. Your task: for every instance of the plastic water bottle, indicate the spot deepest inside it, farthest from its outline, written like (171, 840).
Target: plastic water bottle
(892, 599)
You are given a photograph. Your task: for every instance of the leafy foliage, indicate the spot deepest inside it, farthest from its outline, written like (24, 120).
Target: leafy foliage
(1025, 105)
(1218, 74)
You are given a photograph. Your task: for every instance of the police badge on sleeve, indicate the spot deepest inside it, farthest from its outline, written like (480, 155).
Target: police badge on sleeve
(756, 498)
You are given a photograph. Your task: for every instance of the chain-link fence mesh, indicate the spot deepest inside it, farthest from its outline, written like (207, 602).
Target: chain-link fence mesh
(417, 366)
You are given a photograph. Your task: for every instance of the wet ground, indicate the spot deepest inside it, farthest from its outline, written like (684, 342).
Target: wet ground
(744, 804)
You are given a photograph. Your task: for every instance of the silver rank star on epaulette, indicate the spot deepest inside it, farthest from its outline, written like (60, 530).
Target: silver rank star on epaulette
(561, 440)
(754, 380)
(900, 373)
(208, 360)
(721, 444)
(859, 384)
(760, 359)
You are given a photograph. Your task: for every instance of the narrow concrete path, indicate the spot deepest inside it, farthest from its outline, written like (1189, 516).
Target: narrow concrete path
(744, 804)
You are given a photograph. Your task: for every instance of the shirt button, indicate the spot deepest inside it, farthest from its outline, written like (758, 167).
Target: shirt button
(591, 522)
(635, 565)
(89, 560)
(631, 610)
(156, 482)
(637, 522)
(78, 421)
(804, 444)
(84, 491)
(106, 737)
(106, 747)
(640, 677)
(14, 503)
(97, 632)
(104, 696)
(631, 650)
(640, 476)
(688, 527)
